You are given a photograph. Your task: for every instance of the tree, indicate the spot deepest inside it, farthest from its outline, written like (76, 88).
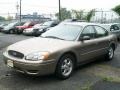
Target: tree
(78, 14)
(9, 18)
(90, 14)
(2, 18)
(65, 14)
(117, 9)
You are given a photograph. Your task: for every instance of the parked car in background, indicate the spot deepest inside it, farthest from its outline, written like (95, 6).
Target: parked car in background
(74, 20)
(43, 27)
(20, 29)
(2, 26)
(30, 31)
(61, 49)
(113, 28)
(10, 28)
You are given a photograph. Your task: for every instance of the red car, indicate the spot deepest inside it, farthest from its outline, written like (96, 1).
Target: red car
(19, 29)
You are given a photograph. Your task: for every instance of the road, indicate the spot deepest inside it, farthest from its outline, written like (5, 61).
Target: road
(93, 76)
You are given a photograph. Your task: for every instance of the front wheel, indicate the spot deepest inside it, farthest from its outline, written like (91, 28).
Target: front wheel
(110, 54)
(11, 32)
(65, 67)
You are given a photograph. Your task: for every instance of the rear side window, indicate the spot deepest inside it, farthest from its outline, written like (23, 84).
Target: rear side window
(100, 32)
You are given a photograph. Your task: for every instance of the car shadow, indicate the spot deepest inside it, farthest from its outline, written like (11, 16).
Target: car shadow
(14, 79)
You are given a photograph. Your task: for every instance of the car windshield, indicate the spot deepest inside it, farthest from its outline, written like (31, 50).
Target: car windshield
(47, 23)
(63, 31)
(11, 24)
(20, 23)
(26, 24)
(36, 26)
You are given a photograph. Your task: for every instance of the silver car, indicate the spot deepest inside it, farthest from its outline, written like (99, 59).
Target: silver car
(113, 28)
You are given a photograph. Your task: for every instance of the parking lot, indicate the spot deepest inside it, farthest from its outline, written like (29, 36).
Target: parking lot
(98, 75)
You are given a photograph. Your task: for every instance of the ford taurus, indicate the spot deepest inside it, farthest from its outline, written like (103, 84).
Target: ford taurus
(61, 49)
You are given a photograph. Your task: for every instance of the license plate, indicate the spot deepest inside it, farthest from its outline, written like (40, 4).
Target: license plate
(10, 63)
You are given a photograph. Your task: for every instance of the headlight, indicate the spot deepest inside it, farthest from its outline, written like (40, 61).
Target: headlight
(37, 56)
(40, 30)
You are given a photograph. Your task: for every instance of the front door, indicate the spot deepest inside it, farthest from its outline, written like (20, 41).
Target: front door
(87, 47)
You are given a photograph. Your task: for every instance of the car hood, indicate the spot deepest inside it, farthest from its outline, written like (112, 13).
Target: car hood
(42, 27)
(40, 44)
(7, 27)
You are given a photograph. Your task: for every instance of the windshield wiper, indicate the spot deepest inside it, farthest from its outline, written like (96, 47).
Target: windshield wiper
(54, 37)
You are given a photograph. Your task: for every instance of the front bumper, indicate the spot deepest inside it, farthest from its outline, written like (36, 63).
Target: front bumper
(31, 67)
(5, 31)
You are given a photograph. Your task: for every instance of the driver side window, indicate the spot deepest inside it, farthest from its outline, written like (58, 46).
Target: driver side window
(88, 31)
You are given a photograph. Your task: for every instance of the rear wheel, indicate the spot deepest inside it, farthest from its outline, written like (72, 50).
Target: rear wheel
(118, 39)
(110, 54)
(65, 67)
(36, 35)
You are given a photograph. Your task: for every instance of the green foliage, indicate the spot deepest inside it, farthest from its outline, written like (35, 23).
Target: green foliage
(90, 14)
(117, 9)
(65, 14)
(9, 18)
(2, 18)
(78, 14)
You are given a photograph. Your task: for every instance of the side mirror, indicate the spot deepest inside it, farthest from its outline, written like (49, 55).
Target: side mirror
(84, 38)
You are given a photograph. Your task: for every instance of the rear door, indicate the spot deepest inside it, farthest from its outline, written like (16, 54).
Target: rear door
(102, 40)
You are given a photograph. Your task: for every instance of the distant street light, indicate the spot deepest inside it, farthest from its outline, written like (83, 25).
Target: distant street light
(20, 10)
(59, 10)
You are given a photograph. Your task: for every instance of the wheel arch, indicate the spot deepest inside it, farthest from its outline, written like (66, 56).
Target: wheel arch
(113, 45)
(71, 53)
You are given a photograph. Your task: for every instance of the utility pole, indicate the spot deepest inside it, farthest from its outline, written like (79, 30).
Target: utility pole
(17, 8)
(59, 10)
(20, 10)
(101, 16)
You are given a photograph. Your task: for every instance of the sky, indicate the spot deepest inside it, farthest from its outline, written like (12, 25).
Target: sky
(51, 6)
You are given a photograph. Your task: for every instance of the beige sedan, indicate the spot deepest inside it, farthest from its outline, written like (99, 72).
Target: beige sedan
(61, 49)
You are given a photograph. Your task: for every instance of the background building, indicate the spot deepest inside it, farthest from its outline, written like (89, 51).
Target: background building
(32, 17)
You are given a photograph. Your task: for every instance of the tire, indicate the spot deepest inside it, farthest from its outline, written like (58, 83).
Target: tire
(118, 39)
(65, 67)
(11, 32)
(36, 35)
(110, 54)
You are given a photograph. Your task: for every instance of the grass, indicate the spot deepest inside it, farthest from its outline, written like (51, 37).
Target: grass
(106, 73)
(87, 86)
(110, 79)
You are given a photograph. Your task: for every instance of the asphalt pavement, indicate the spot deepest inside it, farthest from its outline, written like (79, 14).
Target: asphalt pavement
(98, 74)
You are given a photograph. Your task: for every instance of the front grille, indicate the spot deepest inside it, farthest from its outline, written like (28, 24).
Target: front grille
(15, 54)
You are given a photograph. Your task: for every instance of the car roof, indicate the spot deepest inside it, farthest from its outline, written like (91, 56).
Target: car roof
(110, 24)
(83, 24)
